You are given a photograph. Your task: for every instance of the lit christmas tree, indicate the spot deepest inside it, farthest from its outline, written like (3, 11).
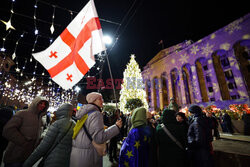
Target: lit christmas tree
(132, 86)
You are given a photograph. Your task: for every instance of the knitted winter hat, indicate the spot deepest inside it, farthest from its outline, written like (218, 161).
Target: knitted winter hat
(91, 97)
(194, 109)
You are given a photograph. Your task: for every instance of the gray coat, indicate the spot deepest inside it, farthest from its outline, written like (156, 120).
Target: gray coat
(60, 155)
(83, 152)
(23, 132)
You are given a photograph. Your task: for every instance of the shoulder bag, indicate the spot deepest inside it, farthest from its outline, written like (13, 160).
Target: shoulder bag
(100, 148)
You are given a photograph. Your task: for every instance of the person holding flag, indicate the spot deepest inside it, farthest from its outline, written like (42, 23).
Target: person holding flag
(90, 128)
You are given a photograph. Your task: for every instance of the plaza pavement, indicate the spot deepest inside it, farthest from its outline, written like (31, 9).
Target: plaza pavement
(235, 148)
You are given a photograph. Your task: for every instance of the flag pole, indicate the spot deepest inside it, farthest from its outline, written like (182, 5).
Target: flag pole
(112, 81)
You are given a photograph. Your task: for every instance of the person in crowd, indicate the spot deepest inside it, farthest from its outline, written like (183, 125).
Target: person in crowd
(74, 114)
(123, 132)
(173, 105)
(83, 152)
(182, 120)
(214, 124)
(135, 150)
(23, 132)
(5, 115)
(227, 123)
(246, 119)
(128, 122)
(170, 153)
(151, 121)
(57, 143)
(114, 140)
(48, 118)
(200, 139)
(106, 119)
(153, 146)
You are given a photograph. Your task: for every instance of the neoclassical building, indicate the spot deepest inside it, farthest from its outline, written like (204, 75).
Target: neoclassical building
(215, 69)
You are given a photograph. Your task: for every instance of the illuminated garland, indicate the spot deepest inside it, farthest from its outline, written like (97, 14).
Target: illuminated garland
(134, 90)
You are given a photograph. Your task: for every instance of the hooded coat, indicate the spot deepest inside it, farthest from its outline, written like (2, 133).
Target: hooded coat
(135, 150)
(83, 152)
(170, 154)
(23, 132)
(61, 129)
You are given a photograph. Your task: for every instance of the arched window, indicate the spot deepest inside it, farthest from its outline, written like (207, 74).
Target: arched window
(218, 67)
(242, 54)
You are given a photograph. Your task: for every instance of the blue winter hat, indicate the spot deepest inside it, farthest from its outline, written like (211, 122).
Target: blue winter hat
(195, 109)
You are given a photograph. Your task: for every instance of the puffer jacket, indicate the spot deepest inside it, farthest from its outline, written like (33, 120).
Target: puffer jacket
(23, 132)
(62, 129)
(83, 152)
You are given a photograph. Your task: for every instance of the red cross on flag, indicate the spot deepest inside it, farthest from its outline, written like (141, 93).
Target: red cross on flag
(71, 55)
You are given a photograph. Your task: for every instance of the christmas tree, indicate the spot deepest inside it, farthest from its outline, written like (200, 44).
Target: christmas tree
(132, 86)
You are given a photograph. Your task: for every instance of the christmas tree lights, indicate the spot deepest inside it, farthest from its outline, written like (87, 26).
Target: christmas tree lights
(132, 86)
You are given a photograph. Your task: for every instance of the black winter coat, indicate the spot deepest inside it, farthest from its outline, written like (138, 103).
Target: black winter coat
(199, 141)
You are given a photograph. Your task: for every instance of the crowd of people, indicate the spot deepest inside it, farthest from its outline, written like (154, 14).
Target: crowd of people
(75, 138)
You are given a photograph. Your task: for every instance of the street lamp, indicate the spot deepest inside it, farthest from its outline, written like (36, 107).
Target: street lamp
(77, 89)
(107, 39)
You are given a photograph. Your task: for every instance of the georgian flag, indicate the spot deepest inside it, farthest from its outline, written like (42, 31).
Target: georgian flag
(71, 55)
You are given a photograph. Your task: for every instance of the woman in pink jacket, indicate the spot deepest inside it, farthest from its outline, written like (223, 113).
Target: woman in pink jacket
(83, 152)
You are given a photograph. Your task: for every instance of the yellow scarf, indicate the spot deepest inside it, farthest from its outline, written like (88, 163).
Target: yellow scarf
(79, 125)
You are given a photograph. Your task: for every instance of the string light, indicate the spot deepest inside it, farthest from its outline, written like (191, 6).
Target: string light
(71, 15)
(17, 69)
(34, 45)
(33, 49)
(34, 73)
(53, 17)
(17, 42)
(4, 39)
(23, 67)
(35, 7)
(51, 40)
(43, 72)
(25, 93)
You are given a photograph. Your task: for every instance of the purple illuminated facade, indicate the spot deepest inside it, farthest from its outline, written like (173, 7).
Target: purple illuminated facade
(213, 70)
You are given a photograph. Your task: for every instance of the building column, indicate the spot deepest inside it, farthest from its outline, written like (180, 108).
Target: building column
(152, 93)
(196, 86)
(182, 88)
(212, 75)
(161, 93)
(170, 86)
(190, 86)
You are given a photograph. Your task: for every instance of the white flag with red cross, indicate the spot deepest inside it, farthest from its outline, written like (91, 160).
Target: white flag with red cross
(71, 55)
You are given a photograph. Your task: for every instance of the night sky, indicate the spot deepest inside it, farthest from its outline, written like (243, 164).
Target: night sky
(143, 24)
